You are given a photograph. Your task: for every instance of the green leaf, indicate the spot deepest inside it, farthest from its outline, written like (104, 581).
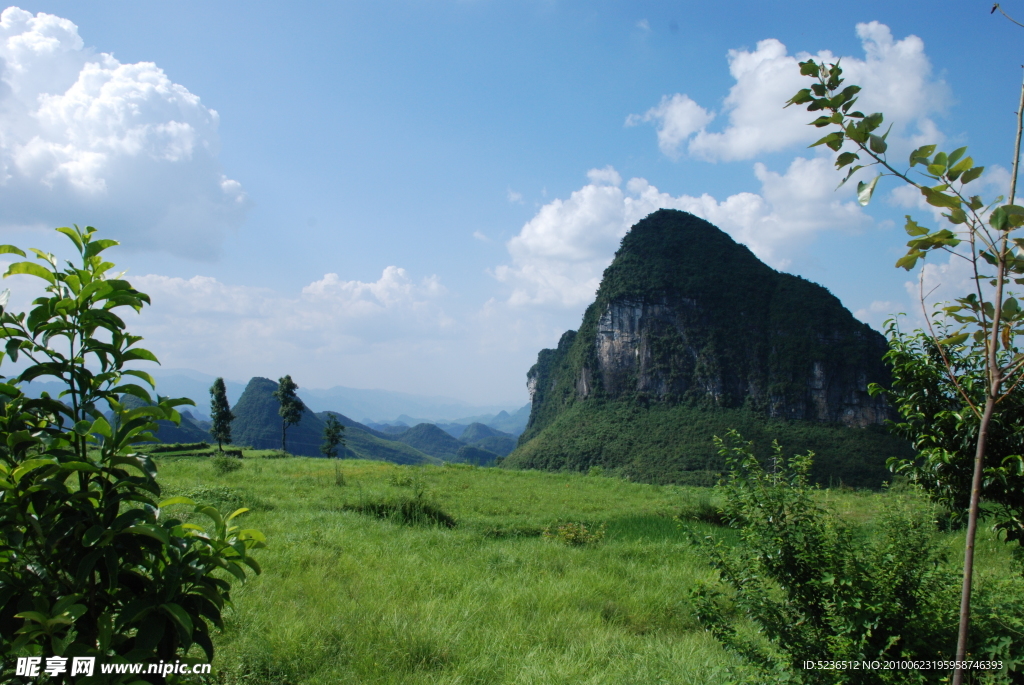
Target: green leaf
(175, 500)
(11, 249)
(939, 199)
(96, 246)
(865, 190)
(957, 216)
(877, 144)
(846, 158)
(29, 466)
(955, 155)
(149, 530)
(922, 155)
(143, 375)
(80, 466)
(955, 339)
(73, 235)
(31, 269)
(833, 140)
(101, 427)
(971, 174)
(909, 260)
(913, 228)
(180, 616)
(1011, 308)
(137, 354)
(809, 68)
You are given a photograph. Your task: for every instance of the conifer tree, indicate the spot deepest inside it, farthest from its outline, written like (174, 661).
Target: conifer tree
(220, 413)
(291, 406)
(334, 437)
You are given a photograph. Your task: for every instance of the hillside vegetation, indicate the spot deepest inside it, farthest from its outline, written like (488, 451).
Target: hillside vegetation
(664, 443)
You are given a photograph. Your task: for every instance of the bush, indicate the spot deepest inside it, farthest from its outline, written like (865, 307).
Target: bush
(575, 534)
(703, 509)
(90, 562)
(401, 479)
(409, 511)
(224, 465)
(817, 590)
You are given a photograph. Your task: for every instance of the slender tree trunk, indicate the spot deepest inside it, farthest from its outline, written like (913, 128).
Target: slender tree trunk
(995, 382)
(972, 528)
(284, 427)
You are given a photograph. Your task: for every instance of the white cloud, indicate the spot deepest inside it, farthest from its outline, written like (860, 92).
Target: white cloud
(559, 255)
(678, 118)
(203, 321)
(514, 197)
(86, 139)
(876, 313)
(896, 77)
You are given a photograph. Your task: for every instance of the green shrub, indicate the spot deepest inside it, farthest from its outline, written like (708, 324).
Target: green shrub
(818, 590)
(575, 534)
(224, 465)
(702, 509)
(401, 479)
(410, 511)
(91, 564)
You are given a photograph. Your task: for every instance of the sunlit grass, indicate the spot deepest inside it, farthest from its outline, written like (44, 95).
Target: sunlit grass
(350, 598)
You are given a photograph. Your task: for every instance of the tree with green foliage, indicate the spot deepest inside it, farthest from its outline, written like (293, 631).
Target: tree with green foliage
(976, 352)
(220, 414)
(92, 563)
(291, 406)
(334, 437)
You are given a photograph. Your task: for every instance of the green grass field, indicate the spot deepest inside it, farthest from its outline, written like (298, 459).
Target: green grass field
(347, 597)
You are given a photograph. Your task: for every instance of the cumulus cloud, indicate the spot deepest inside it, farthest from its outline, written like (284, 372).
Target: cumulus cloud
(87, 139)
(876, 313)
(896, 76)
(242, 327)
(559, 255)
(678, 117)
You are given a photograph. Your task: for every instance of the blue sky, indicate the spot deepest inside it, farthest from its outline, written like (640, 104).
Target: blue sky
(419, 195)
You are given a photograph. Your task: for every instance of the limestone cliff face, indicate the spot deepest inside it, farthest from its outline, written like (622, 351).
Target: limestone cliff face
(686, 315)
(658, 350)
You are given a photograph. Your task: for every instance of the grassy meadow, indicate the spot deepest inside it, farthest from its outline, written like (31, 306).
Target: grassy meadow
(350, 597)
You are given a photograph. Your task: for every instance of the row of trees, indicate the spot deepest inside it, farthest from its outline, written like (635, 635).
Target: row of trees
(290, 411)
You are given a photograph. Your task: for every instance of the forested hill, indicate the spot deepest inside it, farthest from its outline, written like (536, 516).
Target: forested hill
(688, 326)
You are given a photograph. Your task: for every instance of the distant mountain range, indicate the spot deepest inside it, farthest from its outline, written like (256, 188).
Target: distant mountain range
(479, 439)
(258, 425)
(381, 405)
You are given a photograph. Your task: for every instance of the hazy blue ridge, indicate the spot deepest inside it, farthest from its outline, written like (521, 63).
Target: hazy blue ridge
(428, 438)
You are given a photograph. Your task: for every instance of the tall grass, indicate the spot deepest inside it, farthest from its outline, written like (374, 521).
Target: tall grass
(347, 597)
